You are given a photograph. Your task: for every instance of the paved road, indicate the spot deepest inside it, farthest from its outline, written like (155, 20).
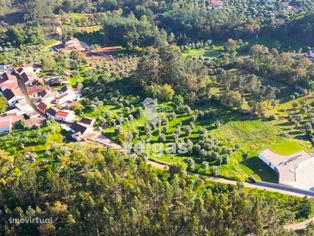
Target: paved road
(27, 98)
(101, 139)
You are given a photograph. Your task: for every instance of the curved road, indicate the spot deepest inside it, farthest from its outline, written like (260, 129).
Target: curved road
(28, 100)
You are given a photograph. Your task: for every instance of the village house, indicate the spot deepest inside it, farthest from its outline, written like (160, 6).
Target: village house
(57, 46)
(55, 80)
(8, 81)
(216, 4)
(5, 125)
(75, 45)
(294, 170)
(88, 121)
(9, 121)
(36, 121)
(285, 6)
(5, 69)
(51, 113)
(42, 107)
(32, 91)
(28, 74)
(27, 109)
(81, 129)
(13, 96)
(67, 95)
(61, 115)
(66, 116)
(46, 96)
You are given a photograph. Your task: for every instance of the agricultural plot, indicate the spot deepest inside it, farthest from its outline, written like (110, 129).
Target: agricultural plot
(221, 142)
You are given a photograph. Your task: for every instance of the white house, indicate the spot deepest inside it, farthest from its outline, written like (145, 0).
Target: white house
(46, 96)
(295, 170)
(65, 98)
(51, 113)
(27, 109)
(13, 96)
(66, 116)
(80, 131)
(28, 74)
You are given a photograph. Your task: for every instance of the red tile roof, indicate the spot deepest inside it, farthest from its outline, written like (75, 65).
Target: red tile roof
(33, 121)
(10, 120)
(9, 85)
(42, 106)
(5, 123)
(62, 114)
(34, 89)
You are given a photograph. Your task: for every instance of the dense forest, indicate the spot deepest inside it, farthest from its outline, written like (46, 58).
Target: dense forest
(143, 23)
(96, 192)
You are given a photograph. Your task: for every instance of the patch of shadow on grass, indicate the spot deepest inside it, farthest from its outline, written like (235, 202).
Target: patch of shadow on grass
(261, 169)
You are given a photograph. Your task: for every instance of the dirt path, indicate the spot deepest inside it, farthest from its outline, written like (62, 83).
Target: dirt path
(300, 225)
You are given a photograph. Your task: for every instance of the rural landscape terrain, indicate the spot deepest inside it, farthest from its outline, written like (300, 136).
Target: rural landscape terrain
(133, 117)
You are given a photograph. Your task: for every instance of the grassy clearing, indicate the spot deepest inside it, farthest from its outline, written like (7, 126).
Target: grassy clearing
(254, 136)
(51, 43)
(35, 140)
(209, 52)
(89, 29)
(77, 15)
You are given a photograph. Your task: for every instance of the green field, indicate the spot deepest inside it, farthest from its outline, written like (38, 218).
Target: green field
(209, 52)
(89, 29)
(251, 135)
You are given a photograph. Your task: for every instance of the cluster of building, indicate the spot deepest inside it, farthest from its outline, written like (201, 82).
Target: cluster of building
(294, 170)
(216, 4)
(32, 102)
(71, 45)
(281, 5)
(11, 91)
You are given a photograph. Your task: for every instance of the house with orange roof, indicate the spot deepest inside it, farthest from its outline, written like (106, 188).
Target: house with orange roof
(60, 115)
(35, 121)
(66, 116)
(8, 81)
(9, 121)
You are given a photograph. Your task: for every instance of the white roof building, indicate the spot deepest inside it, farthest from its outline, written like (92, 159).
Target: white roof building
(296, 170)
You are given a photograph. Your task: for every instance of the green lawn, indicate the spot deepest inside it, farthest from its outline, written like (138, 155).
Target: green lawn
(34, 140)
(253, 137)
(77, 15)
(89, 29)
(210, 52)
